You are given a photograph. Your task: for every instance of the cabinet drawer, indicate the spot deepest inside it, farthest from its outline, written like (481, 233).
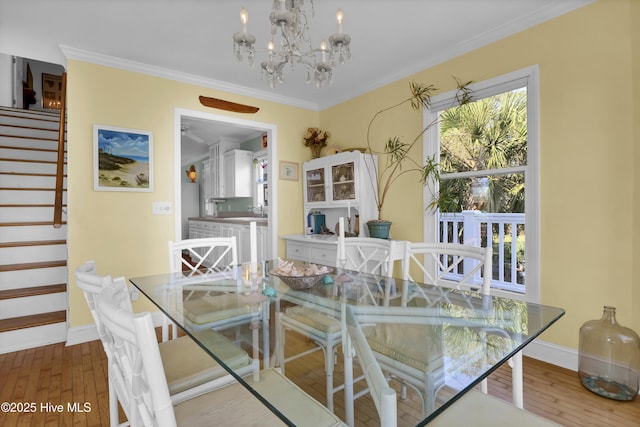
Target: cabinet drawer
(297, 251)
(199, 229)
(323, 255)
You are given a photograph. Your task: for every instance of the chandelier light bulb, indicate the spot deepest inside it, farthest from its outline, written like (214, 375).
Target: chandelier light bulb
(291, 45)
(339, 18)
(244, 18)
(323, 48)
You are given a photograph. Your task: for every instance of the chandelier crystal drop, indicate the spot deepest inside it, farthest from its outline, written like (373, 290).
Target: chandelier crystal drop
(291, 45)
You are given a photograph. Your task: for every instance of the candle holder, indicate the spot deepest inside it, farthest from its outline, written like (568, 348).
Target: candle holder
(246, 279)
(256, 277)
(251, 278)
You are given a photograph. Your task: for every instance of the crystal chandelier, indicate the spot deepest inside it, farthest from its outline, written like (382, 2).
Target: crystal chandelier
(290, 44)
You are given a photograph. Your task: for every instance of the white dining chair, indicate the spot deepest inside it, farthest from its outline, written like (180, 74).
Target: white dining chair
(462, 267)
(199, 257)
(136, 371)
(356, 345)
(365, 255)
(190, 371)
(473, 408)
(447, 265)
(219, 306)
(421, 367)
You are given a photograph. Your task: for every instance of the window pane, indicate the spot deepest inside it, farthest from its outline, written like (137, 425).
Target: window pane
(490, 133)
(492, 193)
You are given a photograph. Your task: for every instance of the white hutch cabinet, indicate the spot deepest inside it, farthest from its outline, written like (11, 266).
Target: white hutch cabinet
(339, 185)
(335, 186)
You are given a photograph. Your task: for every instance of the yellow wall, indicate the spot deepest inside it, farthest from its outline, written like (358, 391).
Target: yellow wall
(117, 229)
(586, 154)
(588, 185)
(634, 17)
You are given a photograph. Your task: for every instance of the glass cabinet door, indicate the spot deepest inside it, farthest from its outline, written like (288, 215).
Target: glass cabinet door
(342, 177)
(315, 186)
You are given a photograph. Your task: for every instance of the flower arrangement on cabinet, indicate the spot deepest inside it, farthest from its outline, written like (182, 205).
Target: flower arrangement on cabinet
(316, 139)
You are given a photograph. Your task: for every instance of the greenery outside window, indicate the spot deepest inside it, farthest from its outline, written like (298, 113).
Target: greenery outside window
(488, 190)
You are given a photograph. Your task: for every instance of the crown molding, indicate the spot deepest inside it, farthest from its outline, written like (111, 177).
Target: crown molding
(151, 70)
(551, 11)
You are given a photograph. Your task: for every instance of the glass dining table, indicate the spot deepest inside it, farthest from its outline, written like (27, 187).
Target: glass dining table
(434, 344)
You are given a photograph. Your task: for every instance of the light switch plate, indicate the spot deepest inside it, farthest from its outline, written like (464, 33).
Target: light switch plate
(161, 208)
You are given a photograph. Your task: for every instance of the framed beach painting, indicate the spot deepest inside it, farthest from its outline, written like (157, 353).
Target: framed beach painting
(122, 159)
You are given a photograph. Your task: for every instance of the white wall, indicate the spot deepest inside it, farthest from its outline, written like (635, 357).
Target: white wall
(6, 80)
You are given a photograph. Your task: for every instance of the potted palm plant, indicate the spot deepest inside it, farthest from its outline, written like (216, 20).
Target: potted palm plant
(398, 154)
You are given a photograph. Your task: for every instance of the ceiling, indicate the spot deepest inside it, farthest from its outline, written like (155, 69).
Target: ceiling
(190, 40)
(197, 133)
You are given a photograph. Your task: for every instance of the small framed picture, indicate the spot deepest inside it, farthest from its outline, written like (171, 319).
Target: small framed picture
(122, 159)
(265, 142)
(288, 170)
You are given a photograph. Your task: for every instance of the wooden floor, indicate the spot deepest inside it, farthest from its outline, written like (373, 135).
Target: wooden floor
(56, 385)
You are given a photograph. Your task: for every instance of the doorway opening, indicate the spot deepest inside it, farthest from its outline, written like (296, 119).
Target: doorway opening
(194, 133)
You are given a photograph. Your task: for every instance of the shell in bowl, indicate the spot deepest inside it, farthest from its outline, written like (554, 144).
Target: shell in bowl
(300, 276)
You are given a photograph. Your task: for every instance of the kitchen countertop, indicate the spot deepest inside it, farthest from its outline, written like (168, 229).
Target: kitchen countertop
(241, 220)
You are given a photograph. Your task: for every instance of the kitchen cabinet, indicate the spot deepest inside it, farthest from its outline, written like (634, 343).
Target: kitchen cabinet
(207, 185)
(339, 185)
(217, 151)
(202, 229)
(238, 173)
(211, 228)
(244, 242)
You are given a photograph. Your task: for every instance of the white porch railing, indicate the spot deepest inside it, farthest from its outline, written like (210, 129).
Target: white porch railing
(501, 230)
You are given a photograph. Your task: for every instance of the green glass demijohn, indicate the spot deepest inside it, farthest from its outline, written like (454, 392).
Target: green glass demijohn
(609, 357)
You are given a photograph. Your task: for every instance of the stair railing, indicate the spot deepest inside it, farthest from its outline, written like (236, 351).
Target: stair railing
(57, 205)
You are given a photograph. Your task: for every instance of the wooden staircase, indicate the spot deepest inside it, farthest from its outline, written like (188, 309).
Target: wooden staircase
(33, 254)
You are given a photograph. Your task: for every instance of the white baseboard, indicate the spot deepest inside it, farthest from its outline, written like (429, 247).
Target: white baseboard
(86, 333)
(558, 355)
(82, 334)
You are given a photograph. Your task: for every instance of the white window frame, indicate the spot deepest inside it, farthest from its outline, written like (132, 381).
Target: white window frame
(525, 77)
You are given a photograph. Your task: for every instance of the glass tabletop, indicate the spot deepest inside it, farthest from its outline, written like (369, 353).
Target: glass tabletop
(439, 342)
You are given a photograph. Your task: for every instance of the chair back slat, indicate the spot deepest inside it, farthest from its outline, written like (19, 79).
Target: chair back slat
(446, 265)
(367, 254)
(92, 285)
(384, 397)
(205, 256)
(372, 256)
(135, 367)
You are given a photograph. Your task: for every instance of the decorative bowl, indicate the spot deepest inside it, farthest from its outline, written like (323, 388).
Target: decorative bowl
(300, 282)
